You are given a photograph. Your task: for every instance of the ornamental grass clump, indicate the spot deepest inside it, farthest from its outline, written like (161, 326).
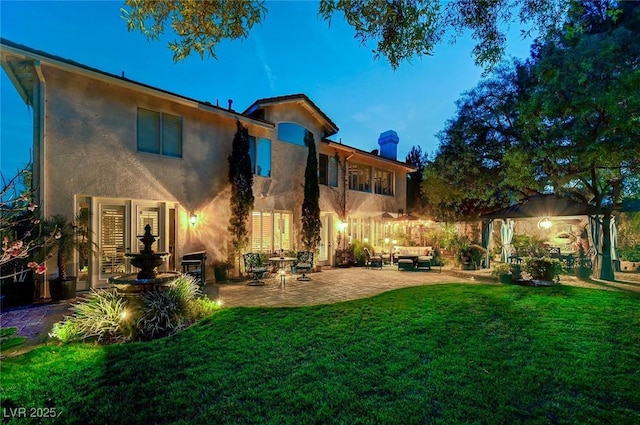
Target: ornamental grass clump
(109, 316)
(101, 316)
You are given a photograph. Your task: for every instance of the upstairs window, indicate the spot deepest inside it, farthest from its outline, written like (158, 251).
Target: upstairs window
(327, 170)
(359, 178)
(159, 133)
(260, 153)
(292, 133)
(384, 182)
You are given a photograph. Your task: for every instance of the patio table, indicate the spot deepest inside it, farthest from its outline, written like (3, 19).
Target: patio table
(282, 264)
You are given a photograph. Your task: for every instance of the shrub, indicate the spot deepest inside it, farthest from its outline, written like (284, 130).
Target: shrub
(543, 268)
(358, 251)
(201, 308)
(66, 331)
(630, 254)
(500, 269)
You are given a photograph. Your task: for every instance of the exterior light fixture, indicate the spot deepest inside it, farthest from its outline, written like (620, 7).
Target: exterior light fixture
(193, 218)
(544, 223)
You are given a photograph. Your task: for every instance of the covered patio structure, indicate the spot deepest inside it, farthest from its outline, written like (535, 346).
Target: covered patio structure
(563, 223)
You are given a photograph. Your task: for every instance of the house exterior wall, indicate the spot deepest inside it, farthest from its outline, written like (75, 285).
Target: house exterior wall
(85, 147)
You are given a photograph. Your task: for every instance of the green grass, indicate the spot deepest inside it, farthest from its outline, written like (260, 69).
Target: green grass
(433, 354)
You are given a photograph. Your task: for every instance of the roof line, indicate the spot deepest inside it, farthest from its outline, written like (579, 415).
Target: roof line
(60, 61)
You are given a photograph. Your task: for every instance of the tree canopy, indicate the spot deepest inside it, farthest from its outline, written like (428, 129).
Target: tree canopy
(399, 29)
(567, 122)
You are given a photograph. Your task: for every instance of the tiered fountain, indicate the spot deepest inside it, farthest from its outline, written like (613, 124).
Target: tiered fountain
(148, 278)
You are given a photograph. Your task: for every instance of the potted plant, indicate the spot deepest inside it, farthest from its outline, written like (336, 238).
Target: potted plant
(502, 272)
(64, 243)
(221, 270)
(582, 267)
(471, 256)
(630, 259)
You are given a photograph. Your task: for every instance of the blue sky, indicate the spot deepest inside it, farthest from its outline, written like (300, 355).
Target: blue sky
(291, 51)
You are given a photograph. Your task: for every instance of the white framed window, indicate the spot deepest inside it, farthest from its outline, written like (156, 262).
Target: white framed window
(271, 231)
(383, 182)
(159, 133)
(260, 153)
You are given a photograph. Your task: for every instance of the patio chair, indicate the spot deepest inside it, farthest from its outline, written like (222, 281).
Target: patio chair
(304, 263)
(253, 264)
(372, 260)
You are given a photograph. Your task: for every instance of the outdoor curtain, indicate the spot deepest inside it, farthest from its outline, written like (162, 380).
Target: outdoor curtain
(595, 233)
(487, 236)
(506, 234)
(614, 239)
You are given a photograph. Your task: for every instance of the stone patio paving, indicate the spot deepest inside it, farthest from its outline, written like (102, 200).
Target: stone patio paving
(326, 287)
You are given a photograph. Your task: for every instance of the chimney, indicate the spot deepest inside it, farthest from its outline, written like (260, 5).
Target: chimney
(388, 142)
(230, 104)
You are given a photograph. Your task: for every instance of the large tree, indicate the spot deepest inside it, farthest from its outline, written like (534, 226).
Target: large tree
(468, 175)
(241, 180)
(311, 204)
(569, 125)
(583, 115)
(399, 29)
(415, 197)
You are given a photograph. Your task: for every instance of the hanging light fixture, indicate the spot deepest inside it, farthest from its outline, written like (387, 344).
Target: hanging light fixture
(544, 223)
(193, 218)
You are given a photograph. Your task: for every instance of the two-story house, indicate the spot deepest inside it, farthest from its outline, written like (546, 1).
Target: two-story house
(125, 154)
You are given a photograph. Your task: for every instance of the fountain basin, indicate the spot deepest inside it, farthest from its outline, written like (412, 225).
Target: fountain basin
(147, 263)
(131, 284)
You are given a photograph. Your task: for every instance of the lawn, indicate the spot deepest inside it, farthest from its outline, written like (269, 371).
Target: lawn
(432, 354)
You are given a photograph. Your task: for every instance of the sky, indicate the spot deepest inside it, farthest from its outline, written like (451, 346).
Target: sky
(291, 51)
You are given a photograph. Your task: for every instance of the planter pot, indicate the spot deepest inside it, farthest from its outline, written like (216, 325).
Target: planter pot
(18, 293)
(221, 274)
(505, 278)
(62, 289)
(630, 266)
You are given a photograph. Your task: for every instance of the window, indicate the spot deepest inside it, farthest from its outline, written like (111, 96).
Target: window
(328, 170)
(359, 178)
(260, 153)
(292, 133)
(384, 182)
(159, 133)
(270, 231)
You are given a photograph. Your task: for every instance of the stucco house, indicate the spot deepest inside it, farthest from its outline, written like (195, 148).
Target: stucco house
(125, 154)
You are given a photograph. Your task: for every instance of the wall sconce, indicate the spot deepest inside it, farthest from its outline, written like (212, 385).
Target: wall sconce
(544, 223)
(193, 219)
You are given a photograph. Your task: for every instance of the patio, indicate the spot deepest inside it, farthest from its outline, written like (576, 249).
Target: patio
(326, 287)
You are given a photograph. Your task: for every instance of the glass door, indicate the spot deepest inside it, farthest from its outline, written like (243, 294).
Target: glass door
(112, 240)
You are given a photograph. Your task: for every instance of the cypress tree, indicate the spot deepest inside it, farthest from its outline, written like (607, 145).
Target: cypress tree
(241, 180)
(311, 204)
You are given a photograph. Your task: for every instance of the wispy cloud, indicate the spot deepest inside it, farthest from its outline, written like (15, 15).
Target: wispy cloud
(262, 57)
